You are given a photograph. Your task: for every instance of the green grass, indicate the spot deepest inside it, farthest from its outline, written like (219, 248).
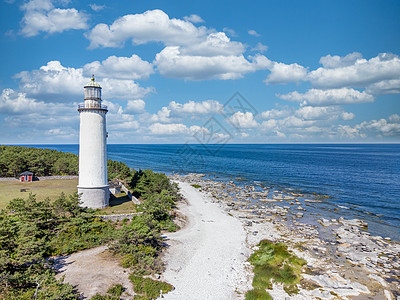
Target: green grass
(274, 263)
(258, 294)
(196, 186)
(119, 204)
(147, 288)
(51, 188)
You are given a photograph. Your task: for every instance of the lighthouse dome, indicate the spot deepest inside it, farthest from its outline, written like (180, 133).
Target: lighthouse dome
(92, 83)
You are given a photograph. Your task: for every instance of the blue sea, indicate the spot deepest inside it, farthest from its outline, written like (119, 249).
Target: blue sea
(361, 180)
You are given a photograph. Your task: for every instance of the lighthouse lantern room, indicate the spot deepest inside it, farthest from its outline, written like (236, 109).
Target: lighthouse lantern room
(93, 185)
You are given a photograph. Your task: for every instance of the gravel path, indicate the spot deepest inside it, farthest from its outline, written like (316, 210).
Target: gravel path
(206, 259)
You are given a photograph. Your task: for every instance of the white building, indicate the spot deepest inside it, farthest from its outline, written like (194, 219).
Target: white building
(93, 186)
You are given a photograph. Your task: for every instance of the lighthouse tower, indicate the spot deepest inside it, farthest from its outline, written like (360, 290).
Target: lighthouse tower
(93, 186)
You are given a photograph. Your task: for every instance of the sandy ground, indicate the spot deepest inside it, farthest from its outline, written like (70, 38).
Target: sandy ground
(93, 271)
(207, 258)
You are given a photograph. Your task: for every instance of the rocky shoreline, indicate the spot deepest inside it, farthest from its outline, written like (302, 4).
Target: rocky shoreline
(343, 259)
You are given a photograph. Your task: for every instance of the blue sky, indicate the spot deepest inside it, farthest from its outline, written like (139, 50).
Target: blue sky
(306, 71)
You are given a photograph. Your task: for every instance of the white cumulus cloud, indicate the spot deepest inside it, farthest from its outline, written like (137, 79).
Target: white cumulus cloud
(192, 107)
(243, 120)
(191, 52)
(171, 62)
(41, 15)
(332, 62)
(319, 113)
(150, 26)
(276, 113)
(174, 129)
(52, 79)
(389, 127)
(282, 73)
(329, 97)
(384, 87)
(120, 67)
(355, 71)
(346, 116)
(12, 102)
(54, 82)
(214, 44)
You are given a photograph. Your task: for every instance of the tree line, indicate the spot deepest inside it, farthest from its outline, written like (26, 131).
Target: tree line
(45, 162)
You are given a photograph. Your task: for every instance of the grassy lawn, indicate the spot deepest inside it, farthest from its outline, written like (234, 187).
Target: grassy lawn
(51, 188)
(119, 204)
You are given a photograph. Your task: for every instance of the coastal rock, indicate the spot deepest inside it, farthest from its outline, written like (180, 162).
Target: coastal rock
(341, 286)
(248, 223)
(325, 222)
(353, 222)
(378, 279)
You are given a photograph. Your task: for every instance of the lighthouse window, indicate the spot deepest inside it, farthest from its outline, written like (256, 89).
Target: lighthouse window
(92, 93)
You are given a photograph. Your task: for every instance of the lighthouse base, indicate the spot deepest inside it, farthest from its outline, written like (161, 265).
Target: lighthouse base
(94, 197)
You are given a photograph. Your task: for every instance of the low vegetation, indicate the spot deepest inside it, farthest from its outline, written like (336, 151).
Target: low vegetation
(32, 231)
(113, 293)
(147, 288)
(273, 263)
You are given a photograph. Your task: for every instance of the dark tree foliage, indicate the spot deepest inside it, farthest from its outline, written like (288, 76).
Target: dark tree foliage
(140, 241)
(145, 183)
(45, 162)
(42, 162)
(117, 169)
(32, 231)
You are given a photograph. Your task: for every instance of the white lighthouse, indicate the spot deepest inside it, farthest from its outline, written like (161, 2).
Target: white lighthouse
(93, 185)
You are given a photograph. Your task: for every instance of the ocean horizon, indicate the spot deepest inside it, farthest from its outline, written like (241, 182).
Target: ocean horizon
(359, 180)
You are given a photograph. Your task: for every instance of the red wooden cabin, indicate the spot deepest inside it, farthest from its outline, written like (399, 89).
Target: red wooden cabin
(26, 176)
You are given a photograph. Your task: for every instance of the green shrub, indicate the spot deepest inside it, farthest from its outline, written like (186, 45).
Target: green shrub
(116, 290)
(149, 288)
(274, 263)
(258, 294)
